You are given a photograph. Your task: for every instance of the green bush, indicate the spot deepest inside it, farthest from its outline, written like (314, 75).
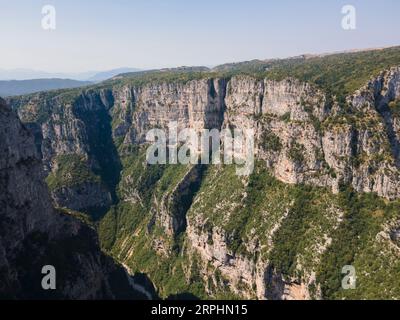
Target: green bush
(285, 117)
(296, 152)
(395, 107)
(270, 141)
(72, 170)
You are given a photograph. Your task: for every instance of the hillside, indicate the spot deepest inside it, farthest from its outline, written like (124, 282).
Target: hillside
(19, 87)
(325, 191)
(34, 234)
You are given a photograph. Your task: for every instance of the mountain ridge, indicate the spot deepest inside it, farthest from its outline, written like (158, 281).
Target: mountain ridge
(324, 193)
(21, 87)
(29, 74)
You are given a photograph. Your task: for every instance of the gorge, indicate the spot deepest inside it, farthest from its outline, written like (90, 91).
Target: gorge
(324, 192)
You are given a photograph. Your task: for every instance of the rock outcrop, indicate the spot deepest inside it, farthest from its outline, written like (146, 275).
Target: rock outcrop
(33, 234)
(302, 134)
(304, 137)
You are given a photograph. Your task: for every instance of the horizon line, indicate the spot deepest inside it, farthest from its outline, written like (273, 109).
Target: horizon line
(140, 69)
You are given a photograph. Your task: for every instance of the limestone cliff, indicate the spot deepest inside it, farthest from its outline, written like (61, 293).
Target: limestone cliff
(33, 234)
(272, 235)
(306, 138)
(303, 135)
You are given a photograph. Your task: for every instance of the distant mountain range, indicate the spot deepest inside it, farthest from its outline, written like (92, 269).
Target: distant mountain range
(24, 81)
(18, 87)
(100, 76)
(94, 76)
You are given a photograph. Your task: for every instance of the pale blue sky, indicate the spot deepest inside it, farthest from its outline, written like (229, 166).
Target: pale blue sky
(100, 34)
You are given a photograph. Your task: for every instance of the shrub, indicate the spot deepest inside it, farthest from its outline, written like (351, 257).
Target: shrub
(270, 141)
(296, 152)
(285, 117)
(72, 169)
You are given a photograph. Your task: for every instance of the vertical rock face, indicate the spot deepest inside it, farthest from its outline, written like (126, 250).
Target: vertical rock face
(376, 136)
(245, 276)
(292, 96)
(78, 128)
(85, 125)
(197, 104)
(302, 137)
(33, 234)
(283, 114)
(170, 211)
(22, 186)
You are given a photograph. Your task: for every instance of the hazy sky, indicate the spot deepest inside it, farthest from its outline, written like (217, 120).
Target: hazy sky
(100, 34)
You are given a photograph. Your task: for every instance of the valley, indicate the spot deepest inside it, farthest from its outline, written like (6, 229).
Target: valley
(324, 192)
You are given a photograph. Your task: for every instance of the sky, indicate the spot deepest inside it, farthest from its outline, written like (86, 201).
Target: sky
(146, 34)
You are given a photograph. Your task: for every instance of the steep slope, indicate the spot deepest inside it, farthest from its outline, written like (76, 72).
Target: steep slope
(74, 140)
(257, 237)
(318, 141)
(253, 237)
(324, 193)
(33, 234)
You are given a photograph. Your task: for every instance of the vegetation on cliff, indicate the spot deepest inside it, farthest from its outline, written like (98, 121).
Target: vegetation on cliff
(301, 234)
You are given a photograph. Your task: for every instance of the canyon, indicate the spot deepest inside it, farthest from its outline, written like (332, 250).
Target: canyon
(324, 192)
(34, 234)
